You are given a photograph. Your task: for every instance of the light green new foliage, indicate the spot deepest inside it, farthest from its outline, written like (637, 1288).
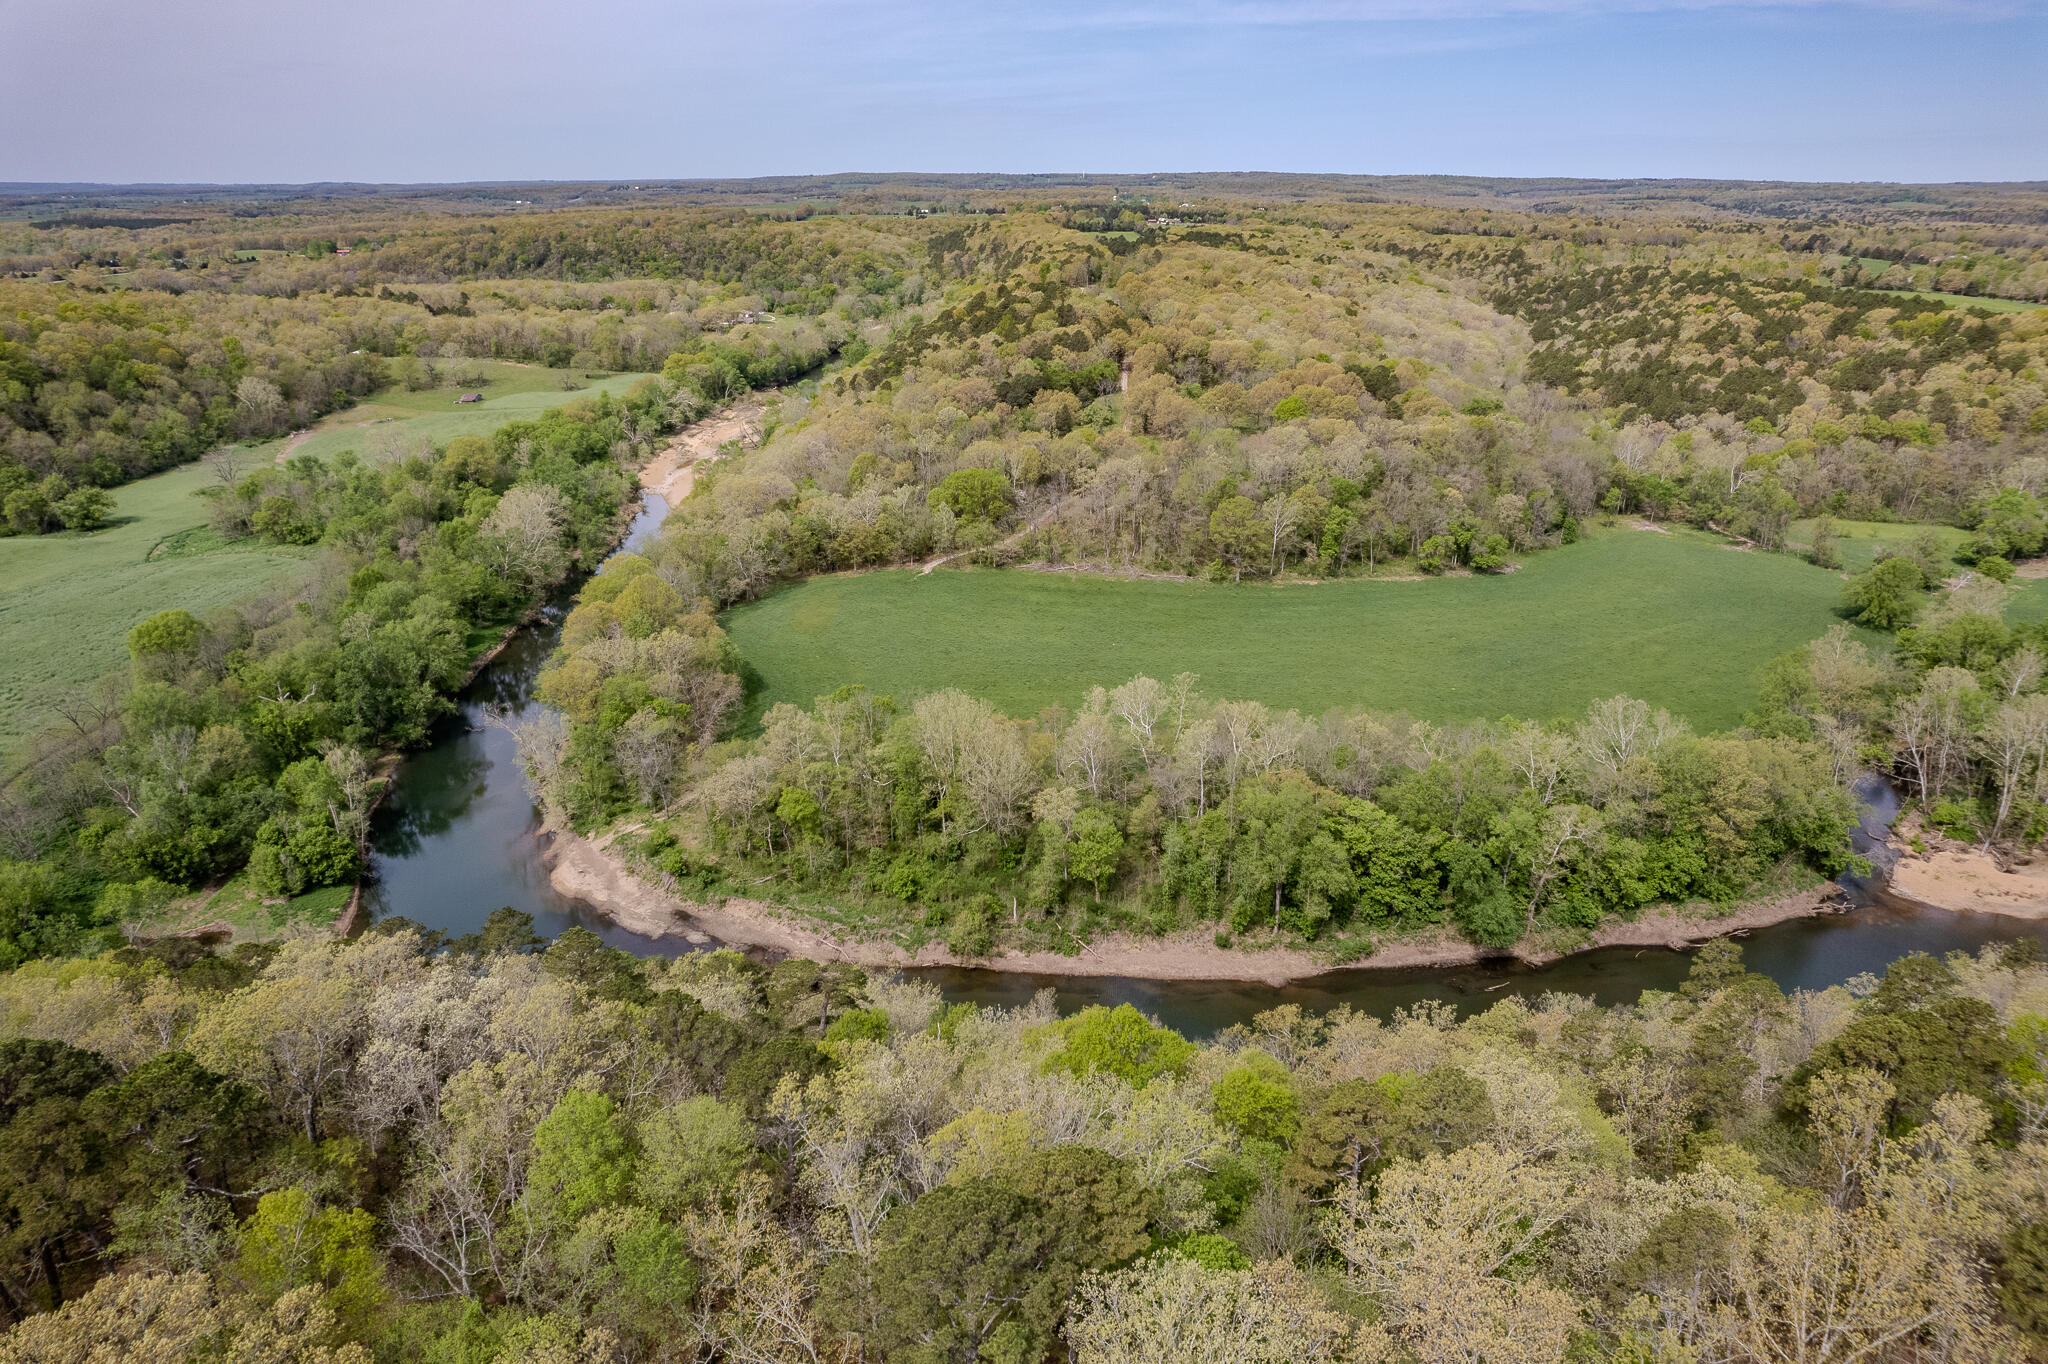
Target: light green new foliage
(692, 1153)
(1257, 1098)
(1120, 1042)
(292, 1241)
(1679, 619)
(582, 1158)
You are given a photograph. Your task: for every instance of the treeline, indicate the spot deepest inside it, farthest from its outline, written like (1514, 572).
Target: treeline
(100, 390)
(97, 390)
(1643, 338)
(105, 377)
(1102, 424)
(791, 264)
(398, 1149)
(1368, 419)
(1154, 809)
(1956, 710)
(246, 741)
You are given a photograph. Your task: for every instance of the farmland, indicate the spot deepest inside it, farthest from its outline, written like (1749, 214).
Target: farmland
(398, 422)
(1857, 542)
(67, 601)
(1677, 619)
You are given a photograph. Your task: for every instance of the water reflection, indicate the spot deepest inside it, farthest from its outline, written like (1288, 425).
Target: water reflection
(1803, 953)
(460, 837)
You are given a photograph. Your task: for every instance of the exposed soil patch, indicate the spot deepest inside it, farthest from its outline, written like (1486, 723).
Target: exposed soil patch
(673, 473)
(1961, 876)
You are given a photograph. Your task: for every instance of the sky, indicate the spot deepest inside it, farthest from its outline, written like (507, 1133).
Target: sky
(257, 91)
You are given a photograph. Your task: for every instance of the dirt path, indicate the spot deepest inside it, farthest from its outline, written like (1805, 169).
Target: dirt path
(293, 442)
(299, 438)
(672, 473)
(1012, 538)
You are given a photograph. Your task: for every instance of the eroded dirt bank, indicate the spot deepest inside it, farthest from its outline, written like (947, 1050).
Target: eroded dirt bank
(588, 870)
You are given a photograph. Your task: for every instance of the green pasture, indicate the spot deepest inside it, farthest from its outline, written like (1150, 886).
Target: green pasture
(68, 600)
(1857, 542)
(1680, 620)
(397, 422)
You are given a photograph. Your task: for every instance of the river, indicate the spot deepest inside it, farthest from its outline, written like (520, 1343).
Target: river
(460, 837)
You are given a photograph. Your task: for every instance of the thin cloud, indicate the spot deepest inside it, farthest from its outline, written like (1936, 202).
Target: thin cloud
(1312, 13)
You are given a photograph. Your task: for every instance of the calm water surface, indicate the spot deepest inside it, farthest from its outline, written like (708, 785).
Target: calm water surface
(461, 837)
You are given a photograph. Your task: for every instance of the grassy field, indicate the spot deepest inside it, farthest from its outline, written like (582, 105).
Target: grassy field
(67, 600)
(397, 422)
(1858, 541)
(1677, 619)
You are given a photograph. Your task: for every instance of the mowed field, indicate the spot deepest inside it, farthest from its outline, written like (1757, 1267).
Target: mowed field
(1677, 619)
(397, 423)
(67, 600)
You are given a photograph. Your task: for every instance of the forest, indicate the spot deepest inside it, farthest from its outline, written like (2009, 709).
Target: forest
(402, 1149)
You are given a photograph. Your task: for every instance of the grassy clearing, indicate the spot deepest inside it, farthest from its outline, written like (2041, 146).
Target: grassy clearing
(67, 600)
(1859, 541)
(1677, 619)
(397, 422)
(251, 915)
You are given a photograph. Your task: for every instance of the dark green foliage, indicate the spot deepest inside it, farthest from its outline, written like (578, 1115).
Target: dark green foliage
(1925, 1037)
(974, 494)
(1681, 1258)
(609, 973)
(1887, 595)
(1350, 1130)
(2023, 1278)
(701, 1043)
(980, 1269)
(751, 1079)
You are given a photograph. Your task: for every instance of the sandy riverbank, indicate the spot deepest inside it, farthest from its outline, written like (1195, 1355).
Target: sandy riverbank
(587, 870)
(672, 473)
(1962, 876)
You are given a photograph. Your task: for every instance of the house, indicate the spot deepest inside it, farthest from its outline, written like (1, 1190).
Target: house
(470, 398)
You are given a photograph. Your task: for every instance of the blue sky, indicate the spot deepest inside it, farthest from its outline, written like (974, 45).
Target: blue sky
(436, 90)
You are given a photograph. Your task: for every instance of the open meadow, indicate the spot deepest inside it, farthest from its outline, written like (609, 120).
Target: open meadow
(1678, 619)
(398, 422)
(1857, 542)
(67, 600)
